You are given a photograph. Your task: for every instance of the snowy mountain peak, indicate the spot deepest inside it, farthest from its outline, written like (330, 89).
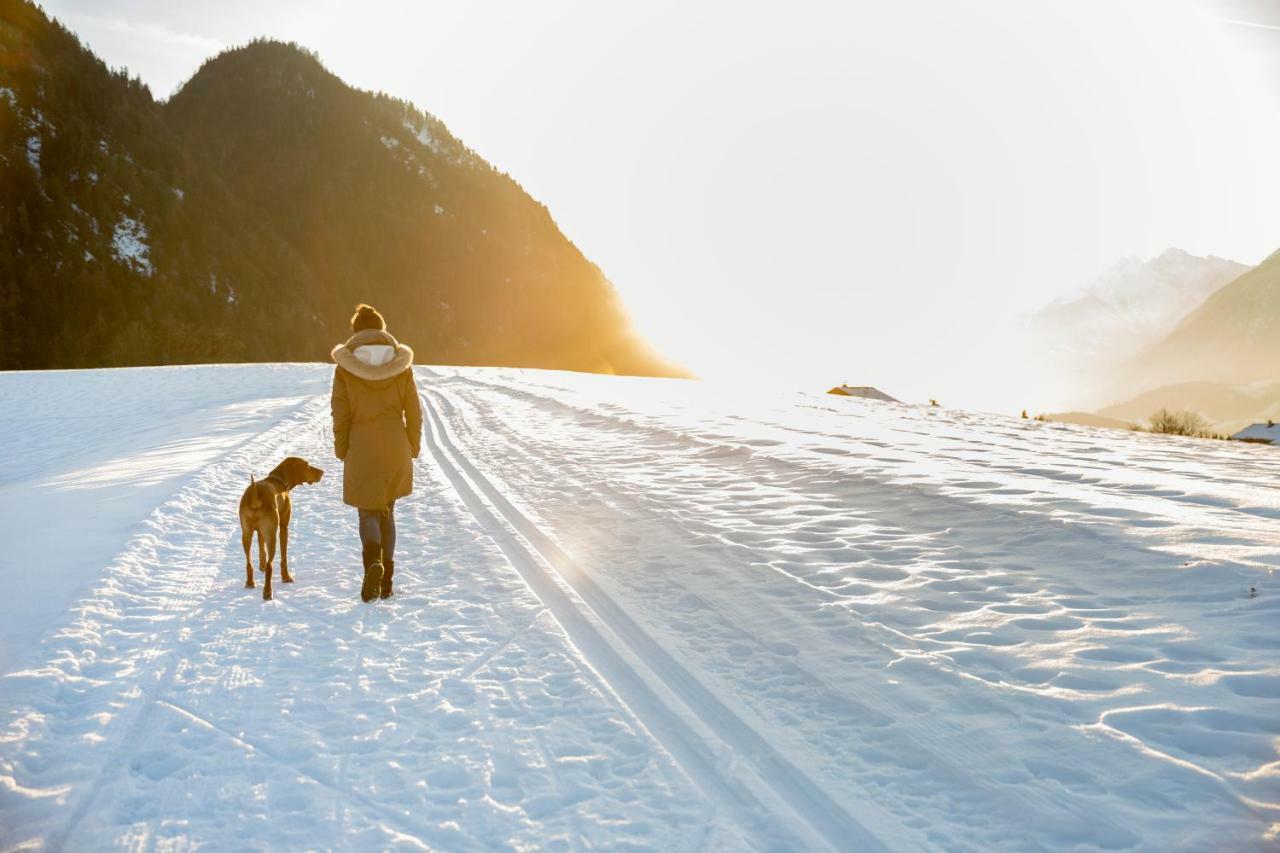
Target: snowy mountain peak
(1128, 307)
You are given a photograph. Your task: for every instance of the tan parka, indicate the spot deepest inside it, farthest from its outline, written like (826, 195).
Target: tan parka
(377, 418)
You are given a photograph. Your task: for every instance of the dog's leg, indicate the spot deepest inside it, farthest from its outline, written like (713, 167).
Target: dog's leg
(273, 527)
(266, 536)
(285, 577)
(285, 512)
(246, 539)
(262, 550)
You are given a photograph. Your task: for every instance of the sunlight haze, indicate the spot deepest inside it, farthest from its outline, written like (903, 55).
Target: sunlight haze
(871, 193)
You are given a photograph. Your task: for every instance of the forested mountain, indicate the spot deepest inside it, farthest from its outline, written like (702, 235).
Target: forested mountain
(243, 218)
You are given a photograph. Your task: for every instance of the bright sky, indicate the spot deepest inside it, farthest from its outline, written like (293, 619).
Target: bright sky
(815, 193)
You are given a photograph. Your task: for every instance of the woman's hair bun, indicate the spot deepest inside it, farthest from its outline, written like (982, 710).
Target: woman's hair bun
(367, 317)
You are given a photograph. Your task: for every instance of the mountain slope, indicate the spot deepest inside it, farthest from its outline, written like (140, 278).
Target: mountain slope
(101, 259)
(1226, 408)
(242, 219)
(1081, 339)
(1135, 303)
(1234, 337)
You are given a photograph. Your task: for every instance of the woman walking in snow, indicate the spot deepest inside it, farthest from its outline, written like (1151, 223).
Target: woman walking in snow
(377, 432)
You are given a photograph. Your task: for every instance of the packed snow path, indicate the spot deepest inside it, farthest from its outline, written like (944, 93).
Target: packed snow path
(638, 613)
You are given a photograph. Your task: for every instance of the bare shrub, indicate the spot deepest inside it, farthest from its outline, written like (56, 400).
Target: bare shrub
(1166, 422)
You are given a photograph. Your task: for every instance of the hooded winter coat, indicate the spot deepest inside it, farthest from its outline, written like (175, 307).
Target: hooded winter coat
(377, 418)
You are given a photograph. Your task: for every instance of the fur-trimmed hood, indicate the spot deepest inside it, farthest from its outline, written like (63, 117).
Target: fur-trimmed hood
(372, 355)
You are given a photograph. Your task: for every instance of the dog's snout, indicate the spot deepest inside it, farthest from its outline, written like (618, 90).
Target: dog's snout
(316, 474)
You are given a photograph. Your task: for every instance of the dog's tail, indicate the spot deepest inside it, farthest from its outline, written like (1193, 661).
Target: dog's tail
(254, 501)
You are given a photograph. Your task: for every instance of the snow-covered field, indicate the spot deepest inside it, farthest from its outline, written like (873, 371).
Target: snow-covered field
(632, 614)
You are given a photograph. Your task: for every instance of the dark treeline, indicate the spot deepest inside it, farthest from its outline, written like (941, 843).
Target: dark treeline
(243, 218)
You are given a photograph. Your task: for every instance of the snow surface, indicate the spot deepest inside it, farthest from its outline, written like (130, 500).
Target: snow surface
(423, 135)
(91, 453)
(35, 145)
(129, 244)
(633, 613)
(33, 148)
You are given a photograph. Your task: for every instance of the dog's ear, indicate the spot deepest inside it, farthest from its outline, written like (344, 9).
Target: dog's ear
(295, 471)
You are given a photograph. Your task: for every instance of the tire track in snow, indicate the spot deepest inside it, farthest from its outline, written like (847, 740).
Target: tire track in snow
(783, 779)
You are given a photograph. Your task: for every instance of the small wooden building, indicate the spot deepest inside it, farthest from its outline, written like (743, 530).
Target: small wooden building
(866, 392)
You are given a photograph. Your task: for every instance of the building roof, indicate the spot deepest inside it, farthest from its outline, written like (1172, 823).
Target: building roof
(866, 392)
(1268, 433)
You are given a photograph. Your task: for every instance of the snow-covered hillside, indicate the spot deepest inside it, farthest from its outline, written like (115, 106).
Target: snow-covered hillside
(1079, 342)
(632, 614)
(1132, 305)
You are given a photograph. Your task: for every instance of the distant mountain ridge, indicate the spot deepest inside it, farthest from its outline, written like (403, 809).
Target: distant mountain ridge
(243, 218)
(1221, 360)
(1147, 298)
(1233, 338)
(1226, 408)
(1082, 338)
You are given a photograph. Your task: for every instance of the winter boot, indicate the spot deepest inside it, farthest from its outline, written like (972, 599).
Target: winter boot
(388, 569)
(372, 573)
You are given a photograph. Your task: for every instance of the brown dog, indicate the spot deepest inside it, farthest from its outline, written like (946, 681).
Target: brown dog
(265, 507)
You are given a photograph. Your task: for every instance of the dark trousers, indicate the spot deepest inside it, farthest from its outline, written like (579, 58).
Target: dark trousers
(378, 528)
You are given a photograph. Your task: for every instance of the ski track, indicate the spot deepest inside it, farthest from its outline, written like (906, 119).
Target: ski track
(177, 706)
(645, 614)
(88, 461)
(885, 593)
(743, 744)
